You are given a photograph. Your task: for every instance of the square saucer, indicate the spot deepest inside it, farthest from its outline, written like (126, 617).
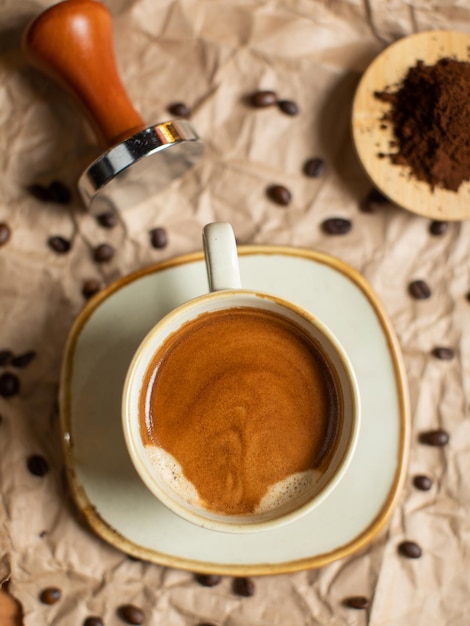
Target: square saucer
(107, 489)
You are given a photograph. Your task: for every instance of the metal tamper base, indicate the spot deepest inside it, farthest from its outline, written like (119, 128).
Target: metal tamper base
(140, 166)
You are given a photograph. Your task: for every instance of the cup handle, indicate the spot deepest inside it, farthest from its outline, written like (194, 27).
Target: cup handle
(220, 251)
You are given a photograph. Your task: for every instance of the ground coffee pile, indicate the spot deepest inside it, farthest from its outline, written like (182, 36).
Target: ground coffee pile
(430, 114)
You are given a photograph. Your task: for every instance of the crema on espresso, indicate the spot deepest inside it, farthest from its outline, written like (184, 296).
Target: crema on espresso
(239, 408)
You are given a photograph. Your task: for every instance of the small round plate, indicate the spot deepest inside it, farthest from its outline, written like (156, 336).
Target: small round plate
(106, 486)
(394, 181)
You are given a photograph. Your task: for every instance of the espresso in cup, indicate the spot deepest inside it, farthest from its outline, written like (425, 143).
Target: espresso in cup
(239, 410)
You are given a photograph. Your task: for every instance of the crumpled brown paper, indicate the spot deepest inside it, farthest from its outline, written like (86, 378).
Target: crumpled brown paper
(211, 55)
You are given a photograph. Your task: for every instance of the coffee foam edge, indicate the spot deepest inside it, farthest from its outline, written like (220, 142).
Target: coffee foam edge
(279, 495)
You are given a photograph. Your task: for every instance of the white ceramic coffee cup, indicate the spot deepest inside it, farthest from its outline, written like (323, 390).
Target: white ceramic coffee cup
(226, 293)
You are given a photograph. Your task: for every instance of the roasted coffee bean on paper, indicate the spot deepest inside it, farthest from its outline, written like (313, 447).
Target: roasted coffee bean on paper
(357, 602)
(419, 290)
(107, 219)
(279, 194)
(56, 191)
(179, 109)
(9, 385)
(314, 167)
(336, 226)
(93, 620)
(59, 192)
(90, 287)
(244, 586)
(289, 107)
(131, 614)
(410, 550)
(50, 595)
(263, 98)
(5, 357)
(207, 580)
(59, 244)
(5, 233)
(443, 353)
(373, 201)
(158, 237)
(38, 191)
(437, 438)
(103, 253)
(37, 465)
(23, 360)
(422, 482)
(438, 227)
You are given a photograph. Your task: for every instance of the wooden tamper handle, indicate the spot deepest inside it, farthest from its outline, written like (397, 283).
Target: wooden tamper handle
(72, 43)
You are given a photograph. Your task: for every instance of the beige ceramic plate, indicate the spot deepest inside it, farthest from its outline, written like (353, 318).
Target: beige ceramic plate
(103, 481)
(394, 181)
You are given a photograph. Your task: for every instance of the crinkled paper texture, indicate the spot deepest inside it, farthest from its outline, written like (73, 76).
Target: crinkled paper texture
(211, 55)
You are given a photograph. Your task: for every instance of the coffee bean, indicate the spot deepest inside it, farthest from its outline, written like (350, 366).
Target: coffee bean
(263, 98)
(108, 219)
(444, 354)
(37, 465)
(180, 109)
(208, 580)
(5, 233)
(5, 357)
(22, 360)
(90, 287)
(131, 614)
(102, 253)
(336, 226)
(38, 191)
(279, 194)
(9, 385)
(56, 192)
(419, 290)
(438, 227)
(357, 602)
(437, 438)
(59, 244)
(289, 107)
(423, 483)
(158, 237)
(93, 620)
(314, 167)
(59, 192)
(410, 550)
(244, 587)
(51, 595)
(373, 201)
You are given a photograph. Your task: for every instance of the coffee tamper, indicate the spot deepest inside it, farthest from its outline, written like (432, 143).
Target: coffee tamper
(71, 42)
